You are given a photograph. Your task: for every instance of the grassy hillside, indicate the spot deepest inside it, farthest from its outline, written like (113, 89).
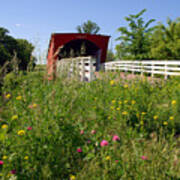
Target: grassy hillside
(106, 129)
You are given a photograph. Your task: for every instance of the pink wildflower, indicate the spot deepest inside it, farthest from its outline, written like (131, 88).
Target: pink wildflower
(93, 132)
(29, 128)
(1, 162)
(144, 157)
(104, 143)
(88, 141)
(13, 171)
(116, 138)
(79, 150)
(82, 132)
(116, 161)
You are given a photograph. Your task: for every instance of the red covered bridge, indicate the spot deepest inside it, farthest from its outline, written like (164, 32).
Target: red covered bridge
(96, 46)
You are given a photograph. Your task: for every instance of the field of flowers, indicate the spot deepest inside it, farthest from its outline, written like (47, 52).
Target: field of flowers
(108, 129)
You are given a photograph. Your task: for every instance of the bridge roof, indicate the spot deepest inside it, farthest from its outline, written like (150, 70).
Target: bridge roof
(60, 39)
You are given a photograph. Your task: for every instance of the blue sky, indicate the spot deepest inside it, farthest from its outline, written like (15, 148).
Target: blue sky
(35, 20)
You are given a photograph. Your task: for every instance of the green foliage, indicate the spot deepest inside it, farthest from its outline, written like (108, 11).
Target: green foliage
(24, 53)
(88, 27)
(10, 47)
(166, 41)
(110, 55)
(7, 46)
(157, 42)
(12, 80)
(44, 123)
(135, 40)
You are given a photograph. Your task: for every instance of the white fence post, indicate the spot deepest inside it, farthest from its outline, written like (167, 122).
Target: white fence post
(142, 69)
(152, 70)
(82, 70)
(132, 66)
(165, 70)
(90, 69)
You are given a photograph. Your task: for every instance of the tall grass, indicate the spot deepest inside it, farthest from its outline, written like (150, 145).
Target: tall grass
(106, 129)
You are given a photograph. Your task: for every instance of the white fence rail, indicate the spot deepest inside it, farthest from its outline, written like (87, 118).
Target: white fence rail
(81, 67)
(166, 68)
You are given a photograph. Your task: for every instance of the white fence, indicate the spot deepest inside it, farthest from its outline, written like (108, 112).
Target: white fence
(165, 68)
(81, 67)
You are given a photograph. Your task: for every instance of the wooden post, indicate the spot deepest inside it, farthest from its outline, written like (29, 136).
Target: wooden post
(98, 60)
(78, 63)
(82, 70)
(90, 69)
(142, 69)
(125, 68)
(152, 70)
(165, 71)
(132, 67)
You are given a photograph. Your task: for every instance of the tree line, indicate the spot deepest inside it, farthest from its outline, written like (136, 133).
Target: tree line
(140, 41)
(18, 50)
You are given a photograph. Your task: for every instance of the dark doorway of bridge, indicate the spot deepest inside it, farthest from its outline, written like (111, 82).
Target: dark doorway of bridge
(78, 48)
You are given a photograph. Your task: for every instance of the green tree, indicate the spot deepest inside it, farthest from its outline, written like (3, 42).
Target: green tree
(110, 55)
(166, 40)
(24, 52)
(11, 47)
(122, 51)
(88, 27)
(7, 46)
(135, 40)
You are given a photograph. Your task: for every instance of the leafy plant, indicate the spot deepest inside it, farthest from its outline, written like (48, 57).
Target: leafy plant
(135, 40)
(88, 27)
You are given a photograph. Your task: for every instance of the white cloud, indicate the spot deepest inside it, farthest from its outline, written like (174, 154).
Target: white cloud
(17, 25)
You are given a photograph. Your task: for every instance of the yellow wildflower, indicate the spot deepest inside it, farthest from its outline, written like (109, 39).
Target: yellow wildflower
(133, 102)
(143, 113)
(118, 108)
(72, 177)
(34, 105)
(124, 113)
(120, 102)
(173, 102)
(18, 97)
(165, 123)
(171, 118)
(4, 126)
(8, 96)
(112, 82)
(113, 101)
(126, 86)
(142, 122)
(21, 132)
(14, 117)
(108, 158)
(109, 117)
(155, 117)
(4, 157)
(125, 101)
(26, 157)
(112, 107)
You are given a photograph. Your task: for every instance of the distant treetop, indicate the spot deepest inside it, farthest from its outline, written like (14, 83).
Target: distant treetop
(88, 27)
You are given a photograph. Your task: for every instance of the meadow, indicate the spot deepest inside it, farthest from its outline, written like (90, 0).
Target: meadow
(108, 129)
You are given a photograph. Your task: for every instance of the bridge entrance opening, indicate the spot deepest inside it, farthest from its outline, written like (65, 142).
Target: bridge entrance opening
(78, 48)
